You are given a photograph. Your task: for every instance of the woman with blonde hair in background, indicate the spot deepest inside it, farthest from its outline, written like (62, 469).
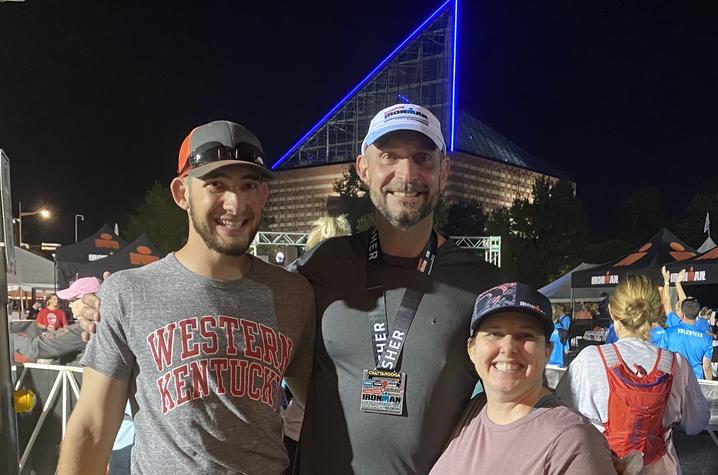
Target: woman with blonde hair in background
(326, 227)
(609, 383)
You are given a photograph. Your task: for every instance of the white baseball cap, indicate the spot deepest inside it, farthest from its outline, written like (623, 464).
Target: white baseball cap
(404, 117)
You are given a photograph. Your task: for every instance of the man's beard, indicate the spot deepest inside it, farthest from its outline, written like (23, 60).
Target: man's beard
(212, 242)
(403, 219)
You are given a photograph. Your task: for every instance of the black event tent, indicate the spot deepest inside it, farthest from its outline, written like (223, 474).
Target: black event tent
(664, 248)
(702, 269)
(68, 259)
(701, 277)
(136, 254)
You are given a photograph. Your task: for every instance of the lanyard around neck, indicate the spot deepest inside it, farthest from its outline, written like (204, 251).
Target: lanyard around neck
(387, 345)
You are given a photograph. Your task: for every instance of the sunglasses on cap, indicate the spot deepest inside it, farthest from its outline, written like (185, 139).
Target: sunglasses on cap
(214, 152)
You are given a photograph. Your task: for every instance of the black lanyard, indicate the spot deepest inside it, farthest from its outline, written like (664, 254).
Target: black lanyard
(387, 345)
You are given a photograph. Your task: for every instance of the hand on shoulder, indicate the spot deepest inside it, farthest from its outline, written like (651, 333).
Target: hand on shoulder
(87, 312)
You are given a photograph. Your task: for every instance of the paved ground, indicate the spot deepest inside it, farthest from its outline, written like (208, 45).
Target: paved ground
(698, 453)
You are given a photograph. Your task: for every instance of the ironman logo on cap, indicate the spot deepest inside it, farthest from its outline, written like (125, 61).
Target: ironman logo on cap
(406, 112)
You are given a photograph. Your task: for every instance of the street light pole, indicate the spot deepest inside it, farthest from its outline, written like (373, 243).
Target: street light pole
(44, 213)
(81, 218)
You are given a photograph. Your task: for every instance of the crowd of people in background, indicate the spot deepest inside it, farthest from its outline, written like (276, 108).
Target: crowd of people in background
(683, 326)
(380, 336)
(639, 376)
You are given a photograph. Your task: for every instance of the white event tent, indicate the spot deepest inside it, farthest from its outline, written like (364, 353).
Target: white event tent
(32, 272)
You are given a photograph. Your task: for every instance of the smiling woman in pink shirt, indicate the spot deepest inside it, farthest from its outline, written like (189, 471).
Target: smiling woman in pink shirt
(522, 427)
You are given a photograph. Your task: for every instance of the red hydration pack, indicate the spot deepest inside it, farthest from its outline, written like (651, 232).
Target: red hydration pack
(636, 403)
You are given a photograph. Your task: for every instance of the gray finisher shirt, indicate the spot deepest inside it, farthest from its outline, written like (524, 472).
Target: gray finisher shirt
(337, 438)
(205, 359)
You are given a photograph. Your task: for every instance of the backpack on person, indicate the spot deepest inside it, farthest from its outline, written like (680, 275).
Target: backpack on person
(564, 327)
(562, 335)
(636, 403)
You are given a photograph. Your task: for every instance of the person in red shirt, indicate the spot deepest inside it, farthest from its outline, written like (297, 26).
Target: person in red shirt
(51, 317)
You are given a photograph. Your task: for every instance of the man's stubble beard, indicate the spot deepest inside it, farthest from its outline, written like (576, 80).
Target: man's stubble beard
(211, 241)
(402, 220)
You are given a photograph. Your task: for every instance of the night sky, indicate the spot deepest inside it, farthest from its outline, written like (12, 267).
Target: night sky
(96, 96)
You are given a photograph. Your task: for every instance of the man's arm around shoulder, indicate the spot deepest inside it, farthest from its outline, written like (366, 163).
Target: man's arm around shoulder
(93, 425)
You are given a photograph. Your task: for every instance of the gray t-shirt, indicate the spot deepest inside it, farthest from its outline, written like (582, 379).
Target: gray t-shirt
(549, 440)
(338, 438)
(205, 359)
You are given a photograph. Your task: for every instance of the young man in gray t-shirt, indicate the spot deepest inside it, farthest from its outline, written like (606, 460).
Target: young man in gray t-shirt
(200, 340)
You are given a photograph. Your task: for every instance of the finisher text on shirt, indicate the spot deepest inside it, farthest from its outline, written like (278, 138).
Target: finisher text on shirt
(262, 355)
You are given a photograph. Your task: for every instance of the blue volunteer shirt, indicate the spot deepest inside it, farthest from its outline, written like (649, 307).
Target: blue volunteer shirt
(672, 319)
(656, 335)
(126, 434)
(565, 324)
(690, 342)
(611, 336)
(556, 357)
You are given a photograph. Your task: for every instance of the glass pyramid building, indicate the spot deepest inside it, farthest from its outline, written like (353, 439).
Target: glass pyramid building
(486, 166)
(422, 70)
(419, 70)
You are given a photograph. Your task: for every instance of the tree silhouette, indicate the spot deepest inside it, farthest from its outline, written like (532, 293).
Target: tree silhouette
(164, 222)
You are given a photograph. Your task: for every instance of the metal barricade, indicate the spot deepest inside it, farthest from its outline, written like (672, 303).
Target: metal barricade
(64, 387)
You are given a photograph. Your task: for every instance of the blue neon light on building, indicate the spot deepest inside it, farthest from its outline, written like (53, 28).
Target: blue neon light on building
(454, 57)
(323, 137)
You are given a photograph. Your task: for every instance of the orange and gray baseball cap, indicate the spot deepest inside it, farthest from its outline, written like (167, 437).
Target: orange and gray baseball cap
(218, 144)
